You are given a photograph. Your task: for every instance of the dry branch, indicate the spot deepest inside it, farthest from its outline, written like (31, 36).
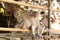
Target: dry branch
(26, 30)
(13, 29)
(25, 4)
(29, 5)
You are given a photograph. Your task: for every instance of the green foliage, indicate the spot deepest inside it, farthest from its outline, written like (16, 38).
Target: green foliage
(1, 10)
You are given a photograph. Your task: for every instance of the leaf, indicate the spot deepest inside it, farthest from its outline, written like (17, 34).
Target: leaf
(1, 10)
